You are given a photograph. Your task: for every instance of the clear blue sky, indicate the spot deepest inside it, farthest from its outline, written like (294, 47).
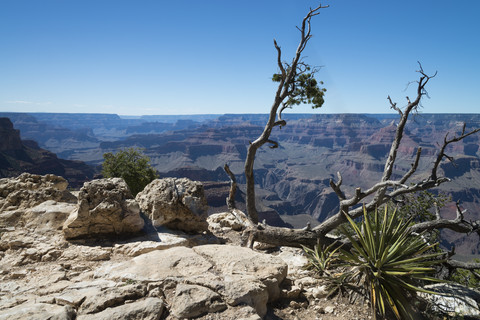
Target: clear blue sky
(217, 56)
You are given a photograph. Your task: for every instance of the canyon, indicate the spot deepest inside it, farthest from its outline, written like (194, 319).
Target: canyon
(293, 179)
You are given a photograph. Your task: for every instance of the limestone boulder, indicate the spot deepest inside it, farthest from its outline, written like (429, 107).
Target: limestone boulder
(232, 260)
(105, 206)
(136, 248)
(175, 203)
(177, 262)
(27, 191)
(223, 221)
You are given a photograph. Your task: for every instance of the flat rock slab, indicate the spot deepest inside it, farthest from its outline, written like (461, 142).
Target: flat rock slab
(217, 276)
(147, 309)
(38, 311)
(157, 266)
(240, 260)
(164, 241)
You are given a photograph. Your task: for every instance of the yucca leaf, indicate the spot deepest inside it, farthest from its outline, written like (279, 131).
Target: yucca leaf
(425, 259)
(369, 235)
(355, 228)
(356, 245)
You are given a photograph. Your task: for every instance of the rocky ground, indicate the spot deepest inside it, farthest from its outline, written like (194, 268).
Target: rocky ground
(56, 263)
(169, 278)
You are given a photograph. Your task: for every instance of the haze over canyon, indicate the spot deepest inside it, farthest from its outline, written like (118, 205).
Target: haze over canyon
(293, 180)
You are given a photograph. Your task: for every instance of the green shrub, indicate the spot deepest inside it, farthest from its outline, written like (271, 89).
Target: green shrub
(131, 165)
(468, 278)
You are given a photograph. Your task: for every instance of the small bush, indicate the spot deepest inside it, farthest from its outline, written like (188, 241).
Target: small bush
(131, 165)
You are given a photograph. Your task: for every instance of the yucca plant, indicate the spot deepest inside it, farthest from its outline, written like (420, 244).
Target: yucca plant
(390, 260)
(323, 260)
(321, 257)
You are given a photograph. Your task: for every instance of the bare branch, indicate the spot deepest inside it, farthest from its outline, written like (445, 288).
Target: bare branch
(413, 168)
(233, 188)
(455, 264)
(279, 58)
(458, 224)
(394, 106)
(446, 142)
(280, 123)
(437, 211)
(274, 144)
(336, 187)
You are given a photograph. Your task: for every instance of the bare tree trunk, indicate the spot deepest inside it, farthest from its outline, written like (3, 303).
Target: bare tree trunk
(250, 192)
(233, 188)
(286, 88)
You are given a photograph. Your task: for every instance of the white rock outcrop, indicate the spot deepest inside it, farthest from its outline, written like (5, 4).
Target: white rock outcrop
(105, 206)
(175, 203)
(27, 191)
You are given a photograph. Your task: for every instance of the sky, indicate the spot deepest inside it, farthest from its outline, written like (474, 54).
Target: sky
(143, 57)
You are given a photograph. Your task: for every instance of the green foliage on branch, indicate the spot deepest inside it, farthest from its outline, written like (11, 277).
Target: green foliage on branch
(131, 165)
(303, 89)
(419, 205)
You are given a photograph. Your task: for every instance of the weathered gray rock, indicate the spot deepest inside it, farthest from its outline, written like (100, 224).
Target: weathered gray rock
(455, 300)
(147, 309)
(105, 206)
(242, 312)
(175, 203)
(136, 248)
(111, 297)
(233, 260)
(174, 262)
(27, 191)
(21, 247)
(219, 275)
(296, 260)
(246, 290)
(86, 253)
(189, 301)
(38, 311)
(223, 221)
(49, 215)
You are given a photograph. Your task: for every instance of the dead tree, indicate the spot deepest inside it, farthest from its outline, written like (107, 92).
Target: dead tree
(290, 92)
(385, 190)
(296, 84)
